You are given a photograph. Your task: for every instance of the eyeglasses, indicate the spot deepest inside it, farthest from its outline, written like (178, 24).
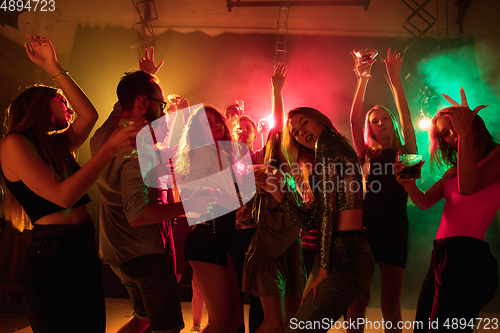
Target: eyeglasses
(163, 104)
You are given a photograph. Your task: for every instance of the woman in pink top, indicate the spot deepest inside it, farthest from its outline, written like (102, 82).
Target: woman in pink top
(463, 275)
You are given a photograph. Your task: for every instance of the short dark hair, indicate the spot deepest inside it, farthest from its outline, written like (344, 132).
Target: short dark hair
(134, 84)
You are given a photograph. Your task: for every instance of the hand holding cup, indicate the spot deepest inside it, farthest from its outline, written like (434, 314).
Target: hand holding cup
(408, 166)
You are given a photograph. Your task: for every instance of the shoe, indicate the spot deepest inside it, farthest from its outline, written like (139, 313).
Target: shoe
(196, 329)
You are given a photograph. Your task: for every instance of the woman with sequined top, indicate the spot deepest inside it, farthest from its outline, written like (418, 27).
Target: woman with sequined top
(344, 264)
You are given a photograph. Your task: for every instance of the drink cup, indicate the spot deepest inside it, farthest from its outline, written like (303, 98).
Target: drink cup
(241, 105)
(259, 171)
(413, 165)
(366, 56)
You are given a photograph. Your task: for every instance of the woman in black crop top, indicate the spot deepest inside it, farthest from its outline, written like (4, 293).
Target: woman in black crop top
(60, 276)
(384, 210)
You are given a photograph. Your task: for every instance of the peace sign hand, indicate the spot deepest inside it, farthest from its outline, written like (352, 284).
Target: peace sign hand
(464, 102)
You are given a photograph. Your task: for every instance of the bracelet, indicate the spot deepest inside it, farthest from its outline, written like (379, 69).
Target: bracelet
(63, 72)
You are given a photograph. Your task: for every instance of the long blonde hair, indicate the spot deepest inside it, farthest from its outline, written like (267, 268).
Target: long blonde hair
(30, 115)
(373, 147)
(396, 139)
(191, 138)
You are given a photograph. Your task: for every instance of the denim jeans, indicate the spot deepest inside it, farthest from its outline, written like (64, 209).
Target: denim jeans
(61, 280)
(350, 273)
(153, 288)
(463, 277)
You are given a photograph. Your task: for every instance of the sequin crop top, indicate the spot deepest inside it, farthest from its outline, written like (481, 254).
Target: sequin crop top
(34, 205)
(337, 185)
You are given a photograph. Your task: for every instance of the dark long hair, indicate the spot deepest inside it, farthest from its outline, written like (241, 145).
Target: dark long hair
(30, 115)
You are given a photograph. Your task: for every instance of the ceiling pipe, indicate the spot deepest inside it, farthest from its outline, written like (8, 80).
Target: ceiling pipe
(239, 3)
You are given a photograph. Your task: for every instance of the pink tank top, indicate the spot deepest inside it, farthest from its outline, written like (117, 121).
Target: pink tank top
(468, 215)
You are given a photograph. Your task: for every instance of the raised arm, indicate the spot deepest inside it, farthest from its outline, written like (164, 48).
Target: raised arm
(278, 83)
(393, 67)
(475, 172)
(362, 71)
(42, 53)
(147, 64)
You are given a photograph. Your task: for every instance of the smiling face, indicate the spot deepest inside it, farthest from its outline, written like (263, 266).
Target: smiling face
(61, 113)
(305, 130)
(445, 129)
(380, 124)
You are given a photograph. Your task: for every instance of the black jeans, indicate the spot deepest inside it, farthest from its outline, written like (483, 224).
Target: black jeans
(463, 277)
(153, 288)
(61, 280)
(350, 273)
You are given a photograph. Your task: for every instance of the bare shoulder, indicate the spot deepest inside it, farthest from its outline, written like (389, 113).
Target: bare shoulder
(12, 138)
(12, 149)
(450, 173)
(14, 143)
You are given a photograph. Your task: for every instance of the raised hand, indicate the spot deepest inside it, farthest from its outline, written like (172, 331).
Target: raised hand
(263, 126)
(362, 69)
(463, 102)
(182, 103)
(393, 64)
(147, 64)
(42, 53)
(461, 118)
(279, 77)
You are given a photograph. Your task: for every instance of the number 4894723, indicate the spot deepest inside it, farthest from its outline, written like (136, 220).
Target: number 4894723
(28, 5)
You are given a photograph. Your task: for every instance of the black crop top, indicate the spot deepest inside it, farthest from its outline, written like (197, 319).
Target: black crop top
(34, 205)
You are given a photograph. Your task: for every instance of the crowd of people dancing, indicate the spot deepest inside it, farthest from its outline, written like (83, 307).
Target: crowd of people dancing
(300, 186)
